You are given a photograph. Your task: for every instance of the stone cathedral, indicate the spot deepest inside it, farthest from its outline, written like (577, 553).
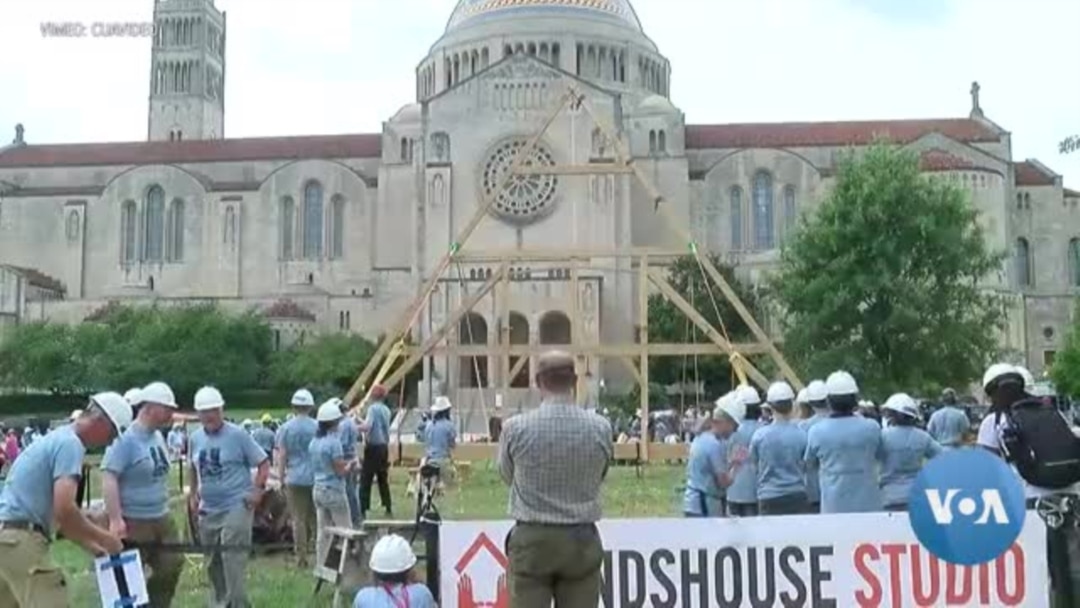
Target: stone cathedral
(337, 233)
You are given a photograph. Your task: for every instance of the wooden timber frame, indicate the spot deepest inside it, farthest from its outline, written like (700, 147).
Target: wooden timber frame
(648, 263)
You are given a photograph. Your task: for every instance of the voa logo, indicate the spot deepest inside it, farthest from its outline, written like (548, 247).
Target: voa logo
(967, 506)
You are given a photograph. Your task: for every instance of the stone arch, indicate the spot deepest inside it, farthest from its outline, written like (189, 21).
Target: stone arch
(555, 328)
(473, 370)
(518, 334)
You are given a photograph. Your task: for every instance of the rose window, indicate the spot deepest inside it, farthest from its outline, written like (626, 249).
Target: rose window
(525, 198)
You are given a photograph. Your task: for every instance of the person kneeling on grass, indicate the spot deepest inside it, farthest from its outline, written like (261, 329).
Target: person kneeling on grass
(392, 562)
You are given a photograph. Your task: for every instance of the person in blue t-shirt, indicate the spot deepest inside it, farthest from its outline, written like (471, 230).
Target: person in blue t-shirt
(907, 448)
(40, 490)
(294, 470)
(710, 469)
(135, 485)
(392, 562)
(349, 432)
(376, 465)
(776, 452)
(847, 450)
(949, 426)
(330, 469)
(817, 397)
(439, 438)
(742, 494)
(225, 493)
(264, 436)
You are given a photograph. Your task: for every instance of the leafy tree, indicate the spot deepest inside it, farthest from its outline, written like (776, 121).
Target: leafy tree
(883, 280)
(40, 356)
(1066, 369)
(330, 362)
(668, 324)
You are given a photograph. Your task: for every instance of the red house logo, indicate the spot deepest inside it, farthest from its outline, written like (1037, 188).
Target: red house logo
(466, 597)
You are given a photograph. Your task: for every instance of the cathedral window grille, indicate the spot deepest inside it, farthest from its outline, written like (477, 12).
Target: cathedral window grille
(525, 198)
(313, 221)
(763, 211)
(174, 235)
(337, 228)
(1023, 261)
(790, 212)
(154, 236)
(1074, 262)
(288, 222)
(736, 219)
(128, 232)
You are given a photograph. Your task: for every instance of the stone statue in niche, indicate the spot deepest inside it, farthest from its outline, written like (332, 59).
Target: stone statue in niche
(599, 144)
(440, 147)
(438, 190)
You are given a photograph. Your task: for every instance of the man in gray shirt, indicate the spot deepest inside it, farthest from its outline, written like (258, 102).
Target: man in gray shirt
(555, 459)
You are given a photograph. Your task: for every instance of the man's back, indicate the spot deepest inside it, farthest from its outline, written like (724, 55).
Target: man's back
(948, 426)
(554, 459)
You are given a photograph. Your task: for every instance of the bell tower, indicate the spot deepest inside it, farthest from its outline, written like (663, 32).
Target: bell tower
(187, 71)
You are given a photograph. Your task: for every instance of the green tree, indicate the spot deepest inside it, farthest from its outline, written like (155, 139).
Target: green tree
(883, 280)
(1066, 369)
(329, 362)
(41, 356)
(668, 324)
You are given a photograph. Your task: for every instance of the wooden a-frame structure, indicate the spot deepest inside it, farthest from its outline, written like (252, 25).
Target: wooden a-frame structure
(395, 358)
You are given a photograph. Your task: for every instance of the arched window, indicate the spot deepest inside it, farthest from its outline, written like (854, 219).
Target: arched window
(313, 221)
(154, 237)
(174, 232)
(555, 328)
(519, 336)
(1023, 263)
(288, 225)
(763, 211)
(472, 370)
(652, 142)
(230, 227)
(128, 234)
(337, 234)
(661, 141)
(1074, 262)
(791, 215)
(736, 219)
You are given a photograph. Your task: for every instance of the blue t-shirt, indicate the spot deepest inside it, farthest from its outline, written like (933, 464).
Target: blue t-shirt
(140, 461)
(813, 488)
(414, 595)
(378, 421)
(846, 451)
(350, 436)
(777, 452)
(294, 437)
(264, 437)
(28, 492)
(324, 451)
(906, 449)
(743, 489)
(706, 460)
(440, 437)
(948, 425)
(224, 461)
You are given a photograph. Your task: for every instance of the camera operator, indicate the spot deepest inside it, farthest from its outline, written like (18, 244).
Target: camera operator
(438, 434)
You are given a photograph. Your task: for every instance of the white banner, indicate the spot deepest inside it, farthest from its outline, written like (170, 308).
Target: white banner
(867, 560)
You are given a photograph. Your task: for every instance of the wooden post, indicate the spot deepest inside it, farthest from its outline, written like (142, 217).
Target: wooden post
(502, 302)
(575, 330)
(643, 339)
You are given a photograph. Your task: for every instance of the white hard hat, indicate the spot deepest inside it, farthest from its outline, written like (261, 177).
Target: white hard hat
(134, 396)
(748, 395)
(208, 398)
(247, 422)
(779, 391)
(997, 371)
(801, 397)
(116, 409)
(329, 411)
(732, 406)
(1025, 373)
(158, 392)
(816, 391)
(303, 398)
(841, 383)
(392, 555)
(76, 414)
(441, 404)
(902, 403)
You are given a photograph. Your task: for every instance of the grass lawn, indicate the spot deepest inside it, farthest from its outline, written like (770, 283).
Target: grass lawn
(273, 582)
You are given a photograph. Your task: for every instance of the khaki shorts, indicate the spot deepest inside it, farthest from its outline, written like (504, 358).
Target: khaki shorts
(27, 578)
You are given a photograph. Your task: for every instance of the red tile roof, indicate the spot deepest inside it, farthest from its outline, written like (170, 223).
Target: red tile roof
(287, 309)
(937, 159)
(809, 134)
(362, 145)
(1028, 174)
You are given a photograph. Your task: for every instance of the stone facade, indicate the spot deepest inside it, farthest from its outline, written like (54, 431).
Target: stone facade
(337, 233)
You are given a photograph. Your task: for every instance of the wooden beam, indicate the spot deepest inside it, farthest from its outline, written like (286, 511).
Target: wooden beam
(656, 349)
(564, 254)
(575, 328)
(518, 365)
(631, 365)
(502, 302)
(643, 361)
(588, 169)
(673, 296)
(452, 321)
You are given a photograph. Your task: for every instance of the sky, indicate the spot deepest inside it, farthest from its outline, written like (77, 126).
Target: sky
(336, 66)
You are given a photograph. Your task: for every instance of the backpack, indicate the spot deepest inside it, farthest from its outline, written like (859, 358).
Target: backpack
(1040, 443)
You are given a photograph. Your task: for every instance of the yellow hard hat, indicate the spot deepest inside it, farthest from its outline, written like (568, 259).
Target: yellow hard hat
(266, 419)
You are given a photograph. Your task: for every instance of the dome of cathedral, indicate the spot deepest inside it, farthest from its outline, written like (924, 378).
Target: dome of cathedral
(655, 104)
(475, 11)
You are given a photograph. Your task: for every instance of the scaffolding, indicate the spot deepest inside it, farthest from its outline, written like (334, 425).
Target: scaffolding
(394, 357)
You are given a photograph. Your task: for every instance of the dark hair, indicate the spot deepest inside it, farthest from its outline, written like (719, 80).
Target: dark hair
(325, 428)
(443, 415)
(753, 411)
(399, 578)
(843, 404)
(782, 407)
(899, 419)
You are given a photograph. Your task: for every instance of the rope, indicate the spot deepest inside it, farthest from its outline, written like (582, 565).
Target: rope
(474, 360)
(735, 359)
